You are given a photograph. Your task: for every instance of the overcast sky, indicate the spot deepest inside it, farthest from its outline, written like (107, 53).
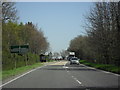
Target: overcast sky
(60, 21)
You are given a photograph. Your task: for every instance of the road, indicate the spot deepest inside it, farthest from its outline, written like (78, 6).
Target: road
(63, 75)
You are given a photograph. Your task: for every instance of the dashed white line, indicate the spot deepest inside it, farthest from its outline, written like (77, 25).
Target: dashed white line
(76, 80)
(79, 82)
(66, 67)
(67, 71)
(73, 76)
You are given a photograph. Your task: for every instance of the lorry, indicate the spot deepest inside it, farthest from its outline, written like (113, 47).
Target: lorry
(71, 54)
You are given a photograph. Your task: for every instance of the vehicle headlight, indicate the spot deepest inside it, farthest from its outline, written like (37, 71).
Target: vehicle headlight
(77, 61)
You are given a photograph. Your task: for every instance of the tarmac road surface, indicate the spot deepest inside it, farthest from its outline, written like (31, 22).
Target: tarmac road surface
(63, 75)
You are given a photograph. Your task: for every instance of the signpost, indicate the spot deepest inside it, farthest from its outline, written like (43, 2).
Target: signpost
(24, 49)
(14, 49)
(19, 49)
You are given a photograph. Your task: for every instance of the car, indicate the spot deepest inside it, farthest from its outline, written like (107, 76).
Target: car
(74, 60)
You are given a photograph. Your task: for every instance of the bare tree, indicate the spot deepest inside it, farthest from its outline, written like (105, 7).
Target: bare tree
(102, 42)
(64, 53)
(56, 55)
(103, 31)
(9, 11)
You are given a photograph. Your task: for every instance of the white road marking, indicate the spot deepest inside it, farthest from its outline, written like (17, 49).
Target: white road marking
(73, 76)
(105, 72)
(65, 67)
(116, 74)
(110, 73)
(91, 67)
(21, 76)
(101, 70)
(25, 74)
(67, 71)
(65, 64)
(79, 82)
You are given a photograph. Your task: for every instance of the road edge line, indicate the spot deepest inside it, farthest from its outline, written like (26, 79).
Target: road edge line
(102, 70)
(21, 76)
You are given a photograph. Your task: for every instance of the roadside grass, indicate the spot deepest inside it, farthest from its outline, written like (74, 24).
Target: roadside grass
(8, 73)
(0, 75)
(13, 72)
(51, 60)
(110, 68)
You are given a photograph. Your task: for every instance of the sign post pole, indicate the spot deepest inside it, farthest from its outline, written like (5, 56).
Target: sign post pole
(26, 59)
(19, 49)
(15, 60)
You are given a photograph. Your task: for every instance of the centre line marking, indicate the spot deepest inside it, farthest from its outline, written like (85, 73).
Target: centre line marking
(72, 76)
(76, 80)
(79, 82)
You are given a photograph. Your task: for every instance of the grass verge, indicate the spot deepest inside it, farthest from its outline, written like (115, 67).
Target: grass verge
(9, 73)
(20, 70)
(110, 68)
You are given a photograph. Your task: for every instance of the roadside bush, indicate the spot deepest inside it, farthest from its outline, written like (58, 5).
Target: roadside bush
(9, 60)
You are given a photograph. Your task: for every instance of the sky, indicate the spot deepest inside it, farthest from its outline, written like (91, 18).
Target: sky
(60, 21)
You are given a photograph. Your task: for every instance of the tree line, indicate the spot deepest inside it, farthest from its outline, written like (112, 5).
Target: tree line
(14, 33)
(101, 44)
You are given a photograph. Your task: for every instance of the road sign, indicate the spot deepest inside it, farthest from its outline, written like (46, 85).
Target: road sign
(14, 49)
(21, 49)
